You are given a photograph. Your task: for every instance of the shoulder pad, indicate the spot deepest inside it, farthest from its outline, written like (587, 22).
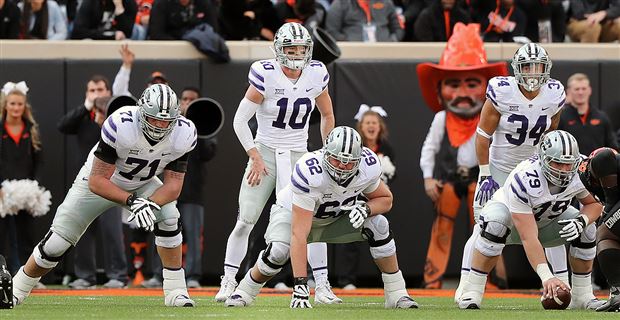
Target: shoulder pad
(497, 89)
(184, 136)
(529, 179)
(122, 128)
(259, 71)
(320, 73)
(307, 172)
(370, 167)
(555, 92)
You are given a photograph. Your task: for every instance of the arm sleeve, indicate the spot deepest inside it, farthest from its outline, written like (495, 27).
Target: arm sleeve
(244, 113)
(71, 122)
(179, 164)
(105, 152)
(432, 144)
(120, 87)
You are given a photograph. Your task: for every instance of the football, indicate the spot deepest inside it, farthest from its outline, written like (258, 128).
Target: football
(560, 302)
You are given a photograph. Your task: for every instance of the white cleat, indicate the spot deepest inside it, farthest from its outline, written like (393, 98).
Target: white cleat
(587, 303)
(405, 302)
(179, 298)
(239, 298)
(470, 300)
(227, 287)
(324, 294)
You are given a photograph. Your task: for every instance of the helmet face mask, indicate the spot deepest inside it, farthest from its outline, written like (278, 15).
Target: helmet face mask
(342, 153)
(559, 156)
(158, 102)
(293, 46)
(531, 66)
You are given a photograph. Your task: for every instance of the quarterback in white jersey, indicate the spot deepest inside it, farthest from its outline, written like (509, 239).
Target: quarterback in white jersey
(321, 205)
(516, 114)
(533, 208)
(137, 143)
(282, 93)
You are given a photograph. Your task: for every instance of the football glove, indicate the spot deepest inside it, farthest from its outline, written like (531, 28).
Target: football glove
(301, 294)
(142, 211)
(357, 213)
(573, 227)
(486, 186)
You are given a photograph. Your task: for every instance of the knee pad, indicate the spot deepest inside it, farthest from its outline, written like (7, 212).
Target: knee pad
(50, 250)
(376, 230)
(273, 258)
(492, 238)
(584, 247)
(168, 233)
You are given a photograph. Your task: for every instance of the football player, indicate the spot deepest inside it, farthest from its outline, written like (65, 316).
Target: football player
(599, 173)
(137, 144)
(320, 205)
(533, 209)
(517, 112)
(282, 93)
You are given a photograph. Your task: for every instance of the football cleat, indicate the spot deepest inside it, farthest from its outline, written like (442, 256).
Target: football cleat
(323, 294)
(585, 303)
(179, 298)
(613, 304)
(239, 298)
(470, 300)
(227, 287)
(6, 286)
(406, 302)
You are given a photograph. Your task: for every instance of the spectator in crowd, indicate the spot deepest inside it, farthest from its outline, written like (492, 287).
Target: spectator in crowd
(307, 12)
(9, 20)
(85, 122)
(504, 22)
(248, 20)
(364, 20)
(589, 125)
(594, 21)
(68, 9)
(546, 20)
(411, 11)
(190, 202)
(20, 158)
(374, 133)
(141, 26)
(432, 22)
(171, 19)
(105, 20)
(455, 90)
(42, 19)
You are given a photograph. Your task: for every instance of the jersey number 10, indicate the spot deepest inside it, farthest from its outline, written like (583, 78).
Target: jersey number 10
(292, 121)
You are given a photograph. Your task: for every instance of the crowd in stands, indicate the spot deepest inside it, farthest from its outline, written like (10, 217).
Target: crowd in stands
(346, 20)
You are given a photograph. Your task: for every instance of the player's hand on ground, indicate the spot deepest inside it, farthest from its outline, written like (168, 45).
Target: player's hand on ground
(432, 187)
(573, 227)
(357, 213)
(301, 294)
(257, 171)
(142, 210)
(486, 188)
(551, 286)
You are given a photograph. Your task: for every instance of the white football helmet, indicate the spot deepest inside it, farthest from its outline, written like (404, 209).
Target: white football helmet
(531, 66)
(158, 102)
(561, 147)
(345, 145)
(293, 34)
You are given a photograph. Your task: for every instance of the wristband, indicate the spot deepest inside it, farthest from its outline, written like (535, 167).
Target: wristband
(543, 272)
(484, 170)
(585, 219)
(132, 197)
(483, 133)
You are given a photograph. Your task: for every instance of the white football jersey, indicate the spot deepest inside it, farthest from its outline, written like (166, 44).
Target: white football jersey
(527, 191)
(312, 188)
(138, 161)
(284, 115)
(522, 121)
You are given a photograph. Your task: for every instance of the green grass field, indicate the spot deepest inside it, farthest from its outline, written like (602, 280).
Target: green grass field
(276, 307)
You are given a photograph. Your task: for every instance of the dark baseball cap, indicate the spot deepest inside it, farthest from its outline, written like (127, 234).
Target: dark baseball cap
(157, 77)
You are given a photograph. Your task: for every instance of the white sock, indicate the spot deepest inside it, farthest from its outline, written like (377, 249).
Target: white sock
(22, 285)
(249, 285)
(173, 280)
(317, 258)
(394, 284)
(236, 248)
(476, 281)
(557, 259)
(468, 252)
(582, 286)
